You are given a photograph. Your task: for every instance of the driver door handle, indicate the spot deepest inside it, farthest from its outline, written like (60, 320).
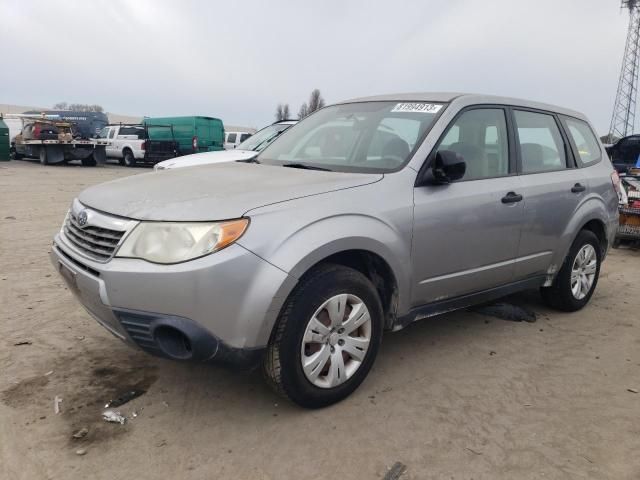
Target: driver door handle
(511, 197)
(577, 188)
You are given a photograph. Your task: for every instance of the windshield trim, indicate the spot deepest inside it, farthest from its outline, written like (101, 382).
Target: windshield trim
(360, 169)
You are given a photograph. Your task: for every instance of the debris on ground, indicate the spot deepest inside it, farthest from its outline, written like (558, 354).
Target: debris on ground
(633, 390)
(506, 311)
(81, 451)
(56, 404)
(492, 353)
(10, 217)
(396, 471)
(48, 373)
(124, 398)
(475, 452)
(112, 416)
(78, 434)
(24, 342)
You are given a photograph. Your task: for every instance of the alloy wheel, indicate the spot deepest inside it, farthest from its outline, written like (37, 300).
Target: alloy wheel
(583, 271)
(336, 341)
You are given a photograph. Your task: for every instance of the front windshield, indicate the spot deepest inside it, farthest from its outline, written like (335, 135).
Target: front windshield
(355, 137)
(258, 141)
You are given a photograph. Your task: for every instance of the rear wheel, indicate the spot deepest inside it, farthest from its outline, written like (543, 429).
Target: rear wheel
(129, 159)
(326, 338)
(44, 160)
(89, 161)
(575, 283)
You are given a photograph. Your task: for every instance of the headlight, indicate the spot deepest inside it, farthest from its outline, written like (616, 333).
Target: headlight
(163, 242)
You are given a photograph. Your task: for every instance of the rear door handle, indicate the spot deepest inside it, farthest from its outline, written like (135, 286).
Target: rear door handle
(511, 197)
(577, 188)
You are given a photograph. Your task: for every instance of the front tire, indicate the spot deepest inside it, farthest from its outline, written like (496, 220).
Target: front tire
(326, 338)
(575, 283)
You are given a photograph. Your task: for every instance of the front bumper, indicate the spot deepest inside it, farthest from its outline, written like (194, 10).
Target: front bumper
(226, 303)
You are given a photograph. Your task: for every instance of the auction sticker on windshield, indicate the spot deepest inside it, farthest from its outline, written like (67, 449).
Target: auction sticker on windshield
(417, 108)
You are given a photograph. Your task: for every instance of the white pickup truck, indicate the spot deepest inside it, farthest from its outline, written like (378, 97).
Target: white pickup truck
(133, 144)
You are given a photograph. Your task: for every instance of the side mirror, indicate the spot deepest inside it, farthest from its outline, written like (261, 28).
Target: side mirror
(447, 167)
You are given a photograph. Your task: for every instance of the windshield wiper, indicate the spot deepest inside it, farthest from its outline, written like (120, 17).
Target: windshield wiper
(250, 160)
(306, 167)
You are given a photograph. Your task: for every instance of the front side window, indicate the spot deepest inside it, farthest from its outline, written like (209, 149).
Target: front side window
(112, 133)
(479, 136)
(355, 137)
(541, 145)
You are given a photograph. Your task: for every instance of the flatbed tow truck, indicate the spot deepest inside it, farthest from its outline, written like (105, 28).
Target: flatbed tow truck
(58, 147)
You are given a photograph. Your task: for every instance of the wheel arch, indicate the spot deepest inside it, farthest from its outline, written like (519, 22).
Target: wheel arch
(590, 215)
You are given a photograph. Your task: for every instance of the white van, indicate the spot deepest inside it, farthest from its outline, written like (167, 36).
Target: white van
(233, 139)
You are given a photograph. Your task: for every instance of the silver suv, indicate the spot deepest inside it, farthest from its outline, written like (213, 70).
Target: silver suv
(364, 217)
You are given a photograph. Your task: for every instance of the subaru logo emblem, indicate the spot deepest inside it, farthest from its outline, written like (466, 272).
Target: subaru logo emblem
(82, 218)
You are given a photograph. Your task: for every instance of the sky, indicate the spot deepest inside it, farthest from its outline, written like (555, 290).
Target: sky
(238, 60)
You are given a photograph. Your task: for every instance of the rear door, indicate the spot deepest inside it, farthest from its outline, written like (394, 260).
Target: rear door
(466, 233)
(552, 188)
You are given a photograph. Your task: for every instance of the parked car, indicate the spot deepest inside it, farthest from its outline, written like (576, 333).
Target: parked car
(233, 139)
(366, 216)
(246, 150)
(135, 144)
(193, 134)
(625, 153)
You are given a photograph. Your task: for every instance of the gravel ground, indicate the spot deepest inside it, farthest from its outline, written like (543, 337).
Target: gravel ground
(464, 395)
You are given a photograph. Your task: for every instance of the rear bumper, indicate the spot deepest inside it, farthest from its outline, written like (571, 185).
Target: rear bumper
(218, 308)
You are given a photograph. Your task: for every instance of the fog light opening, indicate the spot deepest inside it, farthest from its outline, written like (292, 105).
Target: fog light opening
(173, 342)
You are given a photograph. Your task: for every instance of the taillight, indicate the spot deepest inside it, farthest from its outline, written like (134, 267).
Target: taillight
(194, 143)
(144, 145)
(619, 189)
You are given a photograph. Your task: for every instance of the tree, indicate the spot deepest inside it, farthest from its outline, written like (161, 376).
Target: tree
(303, 112)
(282, 112)
(78, 107)
(316, 102)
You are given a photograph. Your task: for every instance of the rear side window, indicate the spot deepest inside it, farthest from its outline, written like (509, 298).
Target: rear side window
(541, 145)
(244, 136)
(231, 138)
(585, 141)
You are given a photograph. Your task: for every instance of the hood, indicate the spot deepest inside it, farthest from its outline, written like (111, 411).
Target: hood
(205, 158)
(213, 192)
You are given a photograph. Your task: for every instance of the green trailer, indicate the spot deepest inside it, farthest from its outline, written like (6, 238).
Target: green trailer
(5, 144)
(193, 134)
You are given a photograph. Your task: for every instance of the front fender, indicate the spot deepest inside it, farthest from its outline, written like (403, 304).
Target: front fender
(296, 235)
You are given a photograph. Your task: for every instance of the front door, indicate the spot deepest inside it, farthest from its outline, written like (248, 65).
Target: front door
(466, 233)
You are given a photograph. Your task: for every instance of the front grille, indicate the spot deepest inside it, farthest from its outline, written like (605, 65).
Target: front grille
(95, 242)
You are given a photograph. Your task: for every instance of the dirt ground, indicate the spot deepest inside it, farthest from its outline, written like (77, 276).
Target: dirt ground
(460, 396)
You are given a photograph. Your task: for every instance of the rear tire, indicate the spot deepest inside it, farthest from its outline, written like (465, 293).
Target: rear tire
(89, 161)
(43, 156)
(293, 341)
(128, 158)
(575, 283)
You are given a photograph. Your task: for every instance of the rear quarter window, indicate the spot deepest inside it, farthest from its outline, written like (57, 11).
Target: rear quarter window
(584, 141)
